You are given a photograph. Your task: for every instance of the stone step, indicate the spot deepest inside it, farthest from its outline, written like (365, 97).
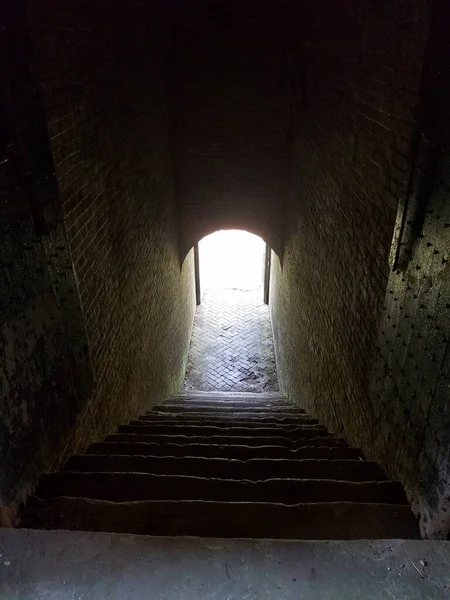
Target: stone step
(78, 565)
(218, 451)
(274, 410)
(318, 521)
(231, 396)
(312, 438)
(224, 418)
(252, 469)
(250, 407)
(206, 430)
(222, 425)
(226, 401)
(128, 487)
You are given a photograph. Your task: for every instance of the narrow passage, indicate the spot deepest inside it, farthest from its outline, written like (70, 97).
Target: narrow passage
(232, 344)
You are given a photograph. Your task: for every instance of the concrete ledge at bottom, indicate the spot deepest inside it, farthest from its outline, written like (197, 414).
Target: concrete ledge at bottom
(68, 565)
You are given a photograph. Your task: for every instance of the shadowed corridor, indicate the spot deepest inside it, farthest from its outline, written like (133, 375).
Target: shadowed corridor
(132, 401)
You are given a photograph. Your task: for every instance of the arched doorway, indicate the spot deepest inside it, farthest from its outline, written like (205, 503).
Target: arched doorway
(232, 344)
(231, 259)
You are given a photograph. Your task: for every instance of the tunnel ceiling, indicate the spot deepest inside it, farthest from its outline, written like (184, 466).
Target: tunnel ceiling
(230, 102)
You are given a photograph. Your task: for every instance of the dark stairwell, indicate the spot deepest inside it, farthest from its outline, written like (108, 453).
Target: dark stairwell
(130, 131)
(241, 466)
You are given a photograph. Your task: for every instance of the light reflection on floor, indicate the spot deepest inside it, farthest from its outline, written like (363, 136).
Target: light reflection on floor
(232, 344)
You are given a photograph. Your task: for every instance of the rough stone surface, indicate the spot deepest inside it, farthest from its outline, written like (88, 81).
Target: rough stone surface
(411, 376)
(231, 345)
(50, 565)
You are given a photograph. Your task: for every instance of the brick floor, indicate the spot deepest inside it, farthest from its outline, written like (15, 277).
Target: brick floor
(232, 344)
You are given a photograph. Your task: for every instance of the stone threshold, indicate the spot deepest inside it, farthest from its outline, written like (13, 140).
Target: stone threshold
(50, 565)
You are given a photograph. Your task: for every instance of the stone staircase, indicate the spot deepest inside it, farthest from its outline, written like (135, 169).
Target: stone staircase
(223, 465)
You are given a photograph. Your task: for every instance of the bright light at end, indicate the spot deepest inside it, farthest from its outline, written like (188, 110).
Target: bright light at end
(231, 259)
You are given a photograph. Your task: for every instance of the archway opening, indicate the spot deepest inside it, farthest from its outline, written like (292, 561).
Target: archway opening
(232, 346)
(232, 259)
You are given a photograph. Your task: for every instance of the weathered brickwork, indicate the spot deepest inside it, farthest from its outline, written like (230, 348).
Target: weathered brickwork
(357, 68)
(229, 107)
(43, 348)
(101, 67)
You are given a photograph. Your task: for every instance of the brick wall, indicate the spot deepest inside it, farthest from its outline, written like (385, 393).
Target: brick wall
(229, 106)
(101, 67)
(43, 349)
(355, 71)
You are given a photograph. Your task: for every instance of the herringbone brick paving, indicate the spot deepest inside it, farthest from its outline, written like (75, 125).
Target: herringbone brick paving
(232, 344)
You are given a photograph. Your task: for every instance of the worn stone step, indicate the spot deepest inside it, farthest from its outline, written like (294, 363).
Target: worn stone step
(129, 487)
(312, 438)
(222, 425)
(318, 521)
(274, 410)
(206, 430)
(230, 396)
(233, 451)
(224, 418)
(252, 469)
(250, 404)
(231, 406)
(79, 565)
